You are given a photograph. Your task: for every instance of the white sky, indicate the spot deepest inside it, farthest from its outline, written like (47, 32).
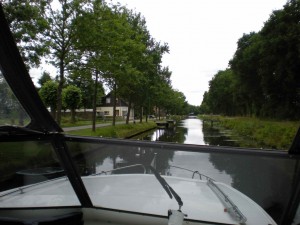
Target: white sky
(201, 34)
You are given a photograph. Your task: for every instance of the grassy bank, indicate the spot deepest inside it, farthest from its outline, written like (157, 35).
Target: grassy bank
(118, 131)
(265, 133)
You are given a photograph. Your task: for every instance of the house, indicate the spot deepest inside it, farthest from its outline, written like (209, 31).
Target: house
(107, 104)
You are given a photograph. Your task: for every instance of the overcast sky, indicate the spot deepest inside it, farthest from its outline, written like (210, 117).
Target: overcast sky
(201, 34)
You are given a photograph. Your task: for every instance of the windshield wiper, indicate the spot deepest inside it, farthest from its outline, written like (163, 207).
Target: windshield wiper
(14, 130)
(170, 191)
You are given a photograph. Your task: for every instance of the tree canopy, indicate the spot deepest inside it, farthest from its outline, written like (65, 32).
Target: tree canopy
(93, 44)
(264, 76)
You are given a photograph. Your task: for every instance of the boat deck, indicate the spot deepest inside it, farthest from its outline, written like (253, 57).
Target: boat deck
(142, 194)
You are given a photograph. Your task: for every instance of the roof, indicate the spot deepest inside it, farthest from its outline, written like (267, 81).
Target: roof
(120, 102)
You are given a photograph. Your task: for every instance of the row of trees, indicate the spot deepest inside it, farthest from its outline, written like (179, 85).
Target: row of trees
(71, 97)
(263, 76)
(92, 44)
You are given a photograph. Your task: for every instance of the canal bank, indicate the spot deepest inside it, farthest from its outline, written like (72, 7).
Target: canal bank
(254, 132)
(120, 130)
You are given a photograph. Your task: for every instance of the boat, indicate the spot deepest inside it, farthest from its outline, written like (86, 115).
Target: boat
(88, 190)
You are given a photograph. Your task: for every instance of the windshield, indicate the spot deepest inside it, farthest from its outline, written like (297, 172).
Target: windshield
(229, 147)
(267, 180)
(11, 111)
(31, 167)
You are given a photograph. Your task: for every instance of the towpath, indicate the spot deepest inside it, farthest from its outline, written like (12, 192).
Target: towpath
(90, 126)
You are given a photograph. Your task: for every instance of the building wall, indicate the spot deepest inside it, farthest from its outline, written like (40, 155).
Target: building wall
(108, 111)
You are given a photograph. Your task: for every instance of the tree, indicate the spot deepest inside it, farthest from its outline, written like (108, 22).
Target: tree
(219, 98)
(83, 79)
(48, 94)
(72, 97)
(245, 66)
(44, 78)
(27, 23)
(280, 62)
(60, 39)
(98, 43)
(133, 69)
(204, 107)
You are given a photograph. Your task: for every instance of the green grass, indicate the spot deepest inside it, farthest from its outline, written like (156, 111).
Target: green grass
(66, 121)
(118, 131)
(266, 133)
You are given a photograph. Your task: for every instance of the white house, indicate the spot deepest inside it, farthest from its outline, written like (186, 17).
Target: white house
(107, 104)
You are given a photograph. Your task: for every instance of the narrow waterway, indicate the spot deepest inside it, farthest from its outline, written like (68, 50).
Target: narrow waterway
(192, 131)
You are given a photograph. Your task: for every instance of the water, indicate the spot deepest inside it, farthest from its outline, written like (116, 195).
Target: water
(192, 131)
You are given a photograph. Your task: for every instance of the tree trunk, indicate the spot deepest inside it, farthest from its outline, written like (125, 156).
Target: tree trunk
(53, 112)
(158, 113)
(115, 104)
(73, 115)
(128, 112)
(95, 101)
(141, 114)
(59, 91)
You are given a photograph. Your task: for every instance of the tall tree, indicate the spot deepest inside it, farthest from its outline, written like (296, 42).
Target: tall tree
(60, 39)
(98, 43)
(27, 22)
(280, 62)
(245, 66)
(219, 98)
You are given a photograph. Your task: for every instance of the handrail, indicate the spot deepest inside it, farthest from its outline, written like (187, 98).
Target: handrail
(194, 172)
(230, 206)
(22, 188)
(120, 168)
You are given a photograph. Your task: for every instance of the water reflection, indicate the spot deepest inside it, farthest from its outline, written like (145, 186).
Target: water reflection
(191, 131)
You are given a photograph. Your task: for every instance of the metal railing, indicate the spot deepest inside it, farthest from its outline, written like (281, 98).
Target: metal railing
(201, 176)
(120, 168)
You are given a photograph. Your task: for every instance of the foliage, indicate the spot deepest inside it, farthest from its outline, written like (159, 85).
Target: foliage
(44, 78)
(27, 22)
(93, 43)
(262, 133)
(61, 40)
(264, 78)
(48, 94)
(118, 46)
(83, 80)
(71, 96)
